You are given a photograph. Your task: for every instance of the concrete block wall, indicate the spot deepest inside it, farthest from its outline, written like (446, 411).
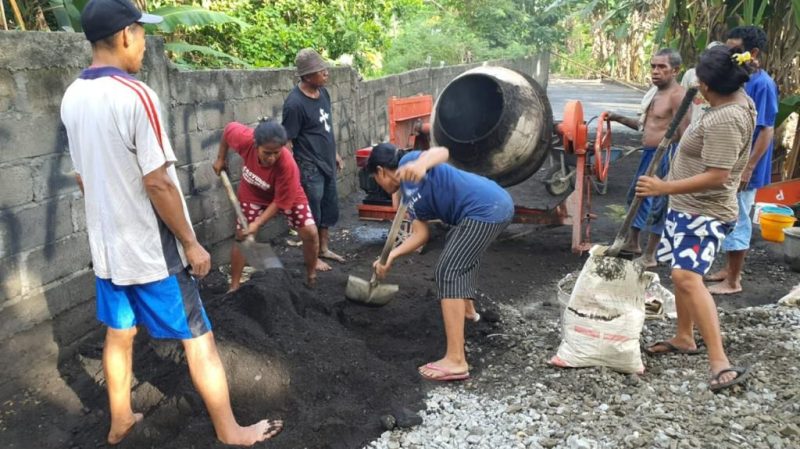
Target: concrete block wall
(44, 256)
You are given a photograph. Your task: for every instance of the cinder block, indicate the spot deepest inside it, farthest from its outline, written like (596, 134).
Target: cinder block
(214, 115)
(24, 312)
(10, 278)
(78, 212)
(44, 88)
(196, 87)
(206, 205)
(52, 176)
(16, 185)
(33, 225)
(54, 261)
(26, 50)
(183, 120)
(25, 136)
(197, 147)
(216, 229)
(8, 90)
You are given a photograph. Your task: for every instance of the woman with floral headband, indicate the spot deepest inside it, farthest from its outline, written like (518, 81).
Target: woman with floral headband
(702, 186)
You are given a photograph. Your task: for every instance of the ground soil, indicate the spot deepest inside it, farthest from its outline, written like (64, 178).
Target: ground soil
(327, 366)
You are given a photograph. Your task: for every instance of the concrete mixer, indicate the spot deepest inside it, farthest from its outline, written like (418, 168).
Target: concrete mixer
(498, 123)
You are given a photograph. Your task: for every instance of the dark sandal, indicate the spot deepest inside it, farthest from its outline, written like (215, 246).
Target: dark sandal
(671, 349)
(741, 376)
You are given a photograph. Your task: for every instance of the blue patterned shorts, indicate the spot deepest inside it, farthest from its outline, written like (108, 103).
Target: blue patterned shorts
(690, 242)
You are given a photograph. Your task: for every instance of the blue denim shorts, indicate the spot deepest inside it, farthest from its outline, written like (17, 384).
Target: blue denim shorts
(739, 239)
(321, 192)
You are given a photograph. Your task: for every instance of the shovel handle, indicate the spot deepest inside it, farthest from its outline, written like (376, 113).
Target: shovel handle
(659, 154)
(391, 237)
(235, 201)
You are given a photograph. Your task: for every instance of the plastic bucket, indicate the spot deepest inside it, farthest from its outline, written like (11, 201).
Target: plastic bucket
(791, 248)
(772, 226)
(769, 208)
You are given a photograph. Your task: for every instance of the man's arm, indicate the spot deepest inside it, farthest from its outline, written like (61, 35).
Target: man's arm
(166, 199)
(632, 123)
(759, 149)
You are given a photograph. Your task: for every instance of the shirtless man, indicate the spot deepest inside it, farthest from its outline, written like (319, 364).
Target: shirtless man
(664, 68)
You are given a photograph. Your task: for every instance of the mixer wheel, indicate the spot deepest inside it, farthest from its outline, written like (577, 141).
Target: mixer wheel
(555, 183)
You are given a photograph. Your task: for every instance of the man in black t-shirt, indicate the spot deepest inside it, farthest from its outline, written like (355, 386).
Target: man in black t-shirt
(309, 125)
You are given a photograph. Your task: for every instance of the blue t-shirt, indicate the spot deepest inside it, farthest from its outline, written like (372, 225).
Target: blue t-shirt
(451, 195)
(764, 93)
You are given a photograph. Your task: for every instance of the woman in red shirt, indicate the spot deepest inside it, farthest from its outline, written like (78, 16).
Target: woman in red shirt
(270, 184)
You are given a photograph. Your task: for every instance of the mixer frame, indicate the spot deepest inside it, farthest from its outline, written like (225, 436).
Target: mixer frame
(409, 126)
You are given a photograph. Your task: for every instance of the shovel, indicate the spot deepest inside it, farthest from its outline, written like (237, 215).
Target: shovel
(259, 255)
(374, 293)
(622, 235)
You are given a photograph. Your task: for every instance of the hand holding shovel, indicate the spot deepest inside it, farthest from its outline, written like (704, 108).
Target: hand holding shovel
(259, 255)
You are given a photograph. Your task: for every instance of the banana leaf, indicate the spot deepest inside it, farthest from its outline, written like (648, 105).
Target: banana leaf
(192, 16)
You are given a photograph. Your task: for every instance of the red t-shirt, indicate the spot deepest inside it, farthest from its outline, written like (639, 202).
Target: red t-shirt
(279, 183)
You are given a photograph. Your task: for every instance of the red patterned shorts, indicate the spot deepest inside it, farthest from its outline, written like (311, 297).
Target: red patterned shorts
(297, 217)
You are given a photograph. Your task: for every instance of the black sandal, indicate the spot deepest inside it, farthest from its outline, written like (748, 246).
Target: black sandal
(741, 376)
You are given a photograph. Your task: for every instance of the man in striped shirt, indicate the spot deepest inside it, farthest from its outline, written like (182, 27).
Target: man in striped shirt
(145, 254)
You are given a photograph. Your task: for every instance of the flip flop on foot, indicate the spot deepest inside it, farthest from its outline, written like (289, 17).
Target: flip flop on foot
(444, 373)
(330, 255)
(116, 438)
(669, 348)
(723, 288)
(741, 376)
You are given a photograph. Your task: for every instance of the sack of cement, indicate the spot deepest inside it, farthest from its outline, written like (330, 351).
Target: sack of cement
(605, 315)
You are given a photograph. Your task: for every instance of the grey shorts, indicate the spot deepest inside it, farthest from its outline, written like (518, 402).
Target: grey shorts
(321, 192)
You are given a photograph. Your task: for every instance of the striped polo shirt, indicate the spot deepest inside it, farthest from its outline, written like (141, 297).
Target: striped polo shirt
(719, 139)
(116, 137)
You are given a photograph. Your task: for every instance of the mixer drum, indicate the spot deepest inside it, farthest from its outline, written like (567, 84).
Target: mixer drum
(496, 122)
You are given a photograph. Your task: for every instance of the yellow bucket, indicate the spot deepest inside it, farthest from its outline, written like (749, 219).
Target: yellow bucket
(772, 226)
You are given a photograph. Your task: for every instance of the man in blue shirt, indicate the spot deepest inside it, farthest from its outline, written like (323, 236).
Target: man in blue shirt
(764, 93)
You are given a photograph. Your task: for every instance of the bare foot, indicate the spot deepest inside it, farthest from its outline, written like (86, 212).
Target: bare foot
(647, 262)
(322, 266)
(311, 280)
(475, 317)
(328, 254)
(232, 289)
(719, 276)
(631, 248)
(118, 433)
(724, 288)
(250, 435)
(444, 368)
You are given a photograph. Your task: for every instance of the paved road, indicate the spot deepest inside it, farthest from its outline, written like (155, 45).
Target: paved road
(596, 97)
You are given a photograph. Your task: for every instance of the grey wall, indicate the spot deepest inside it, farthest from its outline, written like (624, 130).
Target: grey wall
(44, 255)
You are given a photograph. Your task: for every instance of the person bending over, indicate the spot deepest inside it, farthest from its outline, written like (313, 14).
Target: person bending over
(476, 207)
(270, 184)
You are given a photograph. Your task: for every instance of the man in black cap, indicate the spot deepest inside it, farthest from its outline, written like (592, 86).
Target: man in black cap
(145, 254)
(309, 126)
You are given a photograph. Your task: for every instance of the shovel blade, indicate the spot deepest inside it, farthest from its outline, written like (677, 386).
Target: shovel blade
(260, 256)
(361, 291)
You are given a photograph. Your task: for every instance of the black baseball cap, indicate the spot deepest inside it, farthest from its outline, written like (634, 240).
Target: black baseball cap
(103, 18)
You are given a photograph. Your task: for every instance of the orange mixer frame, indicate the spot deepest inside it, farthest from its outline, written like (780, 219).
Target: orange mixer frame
(409, 121)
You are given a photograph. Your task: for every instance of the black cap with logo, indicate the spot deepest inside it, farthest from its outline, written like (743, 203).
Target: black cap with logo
(103, 18)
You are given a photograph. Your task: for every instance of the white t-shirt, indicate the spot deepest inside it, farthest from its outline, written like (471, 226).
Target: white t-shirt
(115, 138)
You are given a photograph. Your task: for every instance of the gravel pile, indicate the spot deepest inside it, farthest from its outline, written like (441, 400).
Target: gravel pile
(518, 401)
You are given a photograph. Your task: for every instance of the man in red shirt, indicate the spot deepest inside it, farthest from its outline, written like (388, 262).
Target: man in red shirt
(270, 184)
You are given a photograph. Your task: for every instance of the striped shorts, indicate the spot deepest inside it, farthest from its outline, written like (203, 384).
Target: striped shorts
(457, 269)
